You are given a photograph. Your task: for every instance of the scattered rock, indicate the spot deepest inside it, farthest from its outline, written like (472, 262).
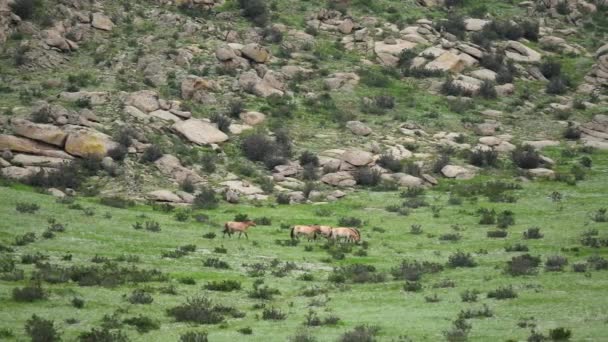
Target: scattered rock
(163, 196)
(144, 100)
(200, 132)
(17, 144)
(358, 128)
(253, 118)
(458, 172)
(256, 52)
(357, 157)
(42, 132)
(84, 143)
(341, 178)
(101, 21)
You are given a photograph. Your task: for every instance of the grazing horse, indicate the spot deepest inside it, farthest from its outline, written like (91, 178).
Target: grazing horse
(240, 227)
(324, 231)
(309, 231)
(345, 234)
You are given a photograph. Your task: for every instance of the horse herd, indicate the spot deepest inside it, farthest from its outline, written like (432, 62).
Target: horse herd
(311, 232)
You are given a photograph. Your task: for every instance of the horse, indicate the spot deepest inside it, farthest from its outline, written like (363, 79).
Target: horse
(240, 227)
(309, 231)
(324, 231)
(346, 234)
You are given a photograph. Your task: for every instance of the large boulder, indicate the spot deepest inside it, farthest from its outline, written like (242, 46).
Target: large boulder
(31, 160)
(357, 157)
(19, 173)
(192, 85)
(42, 132)
(518, 52)
(358, 128)
(473, 24)
(170, 166)
(342, 80)
(144, 100)
(541, 173)
(458, 172)
(408, 180)
(200, 132)
(341, 178)
(448, 61)
(85, 143)
(18, 144)
(101, 21)
(225, 53)
(256, 53)
(242, 187)
(252, 118)
(163, 196)
(385, 50)
(93, 97)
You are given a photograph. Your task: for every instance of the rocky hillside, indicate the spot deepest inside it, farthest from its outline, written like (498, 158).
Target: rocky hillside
(298, 101)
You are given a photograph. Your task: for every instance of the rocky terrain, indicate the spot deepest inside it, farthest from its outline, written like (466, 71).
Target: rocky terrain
(403, 92)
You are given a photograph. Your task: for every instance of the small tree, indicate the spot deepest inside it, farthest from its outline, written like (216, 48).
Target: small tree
(41, 330)
(206, 199)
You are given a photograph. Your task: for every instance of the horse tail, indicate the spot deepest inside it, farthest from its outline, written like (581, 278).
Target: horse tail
(292, 232)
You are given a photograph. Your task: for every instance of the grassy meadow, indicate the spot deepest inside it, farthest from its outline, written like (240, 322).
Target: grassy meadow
(94, 232)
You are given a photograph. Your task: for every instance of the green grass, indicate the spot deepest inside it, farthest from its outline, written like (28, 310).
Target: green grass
(567, 299)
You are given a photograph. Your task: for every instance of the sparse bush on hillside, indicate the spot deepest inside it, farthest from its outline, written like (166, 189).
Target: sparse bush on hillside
(487, 90)
(367, 176)
(389, 162)
(103, 334)
(503, 292)
(26, 9)
(449, 88)
(223, 122)
(524, 264)
(194, 336)
(360, 333)
(526, 157)
(555, 263)
(308, 157)
(206, 199)
(152, 153)
(255, 10)
(557, 85)
(29, 293)
(260, 148)
(461, 259)
(41, 330)
(200, 310)
(533, 233)
(454, 24)
(481, 158)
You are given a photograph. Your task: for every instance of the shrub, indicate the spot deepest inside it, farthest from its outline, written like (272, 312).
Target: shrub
(550, 68)
(572, 132)
(302, 337)
(487, 90)
(223, 122)
(25, 239)
(416, 229)
(367, 176)
(503, 292)
(139, 296)
(518, 247)
(560, 334)
(555, 263)
(258, 147)
(224, 285)
(557, 86)
(206, 199)
(356, 273)
(78, 303)
(246, 331)
(461, 259)
(142, 323)
(26, 9)
(579, 267)
(308, 157)
(209, 236)
(441, 162)
(350, 222)
(194, 336)
(487, 216)
(413, 270)
(484, 311)
(601, 215)
(197, 310)
(261, 291)
(389, 162)
(449, 88)
(104, 334)
(469, 296)
(255, 10)
(450, 237)
(481, 158)
(496, 234)
(526, 157)
(505, 219)
(152, 153)
(208, 161)
(41, 330)
(533, 233)
(524, 264)
(273, 314)
(374, 78)
(459, 331)
(27, 208)
(360, 333)
(263, 221)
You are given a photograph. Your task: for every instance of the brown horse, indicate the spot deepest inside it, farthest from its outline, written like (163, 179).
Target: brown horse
(309, 231)
(324, 231)
(346, 234)
(240, 227)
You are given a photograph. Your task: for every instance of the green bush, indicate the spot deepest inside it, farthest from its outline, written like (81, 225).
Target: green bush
(206, 199)
(140, 296)
(461, 259)
(194, 336)
(103, 334)
(503, 292)
(142, 323)
(41, 330)
(29, 293)
(255, 10)
(224, 285)
(524, 264)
